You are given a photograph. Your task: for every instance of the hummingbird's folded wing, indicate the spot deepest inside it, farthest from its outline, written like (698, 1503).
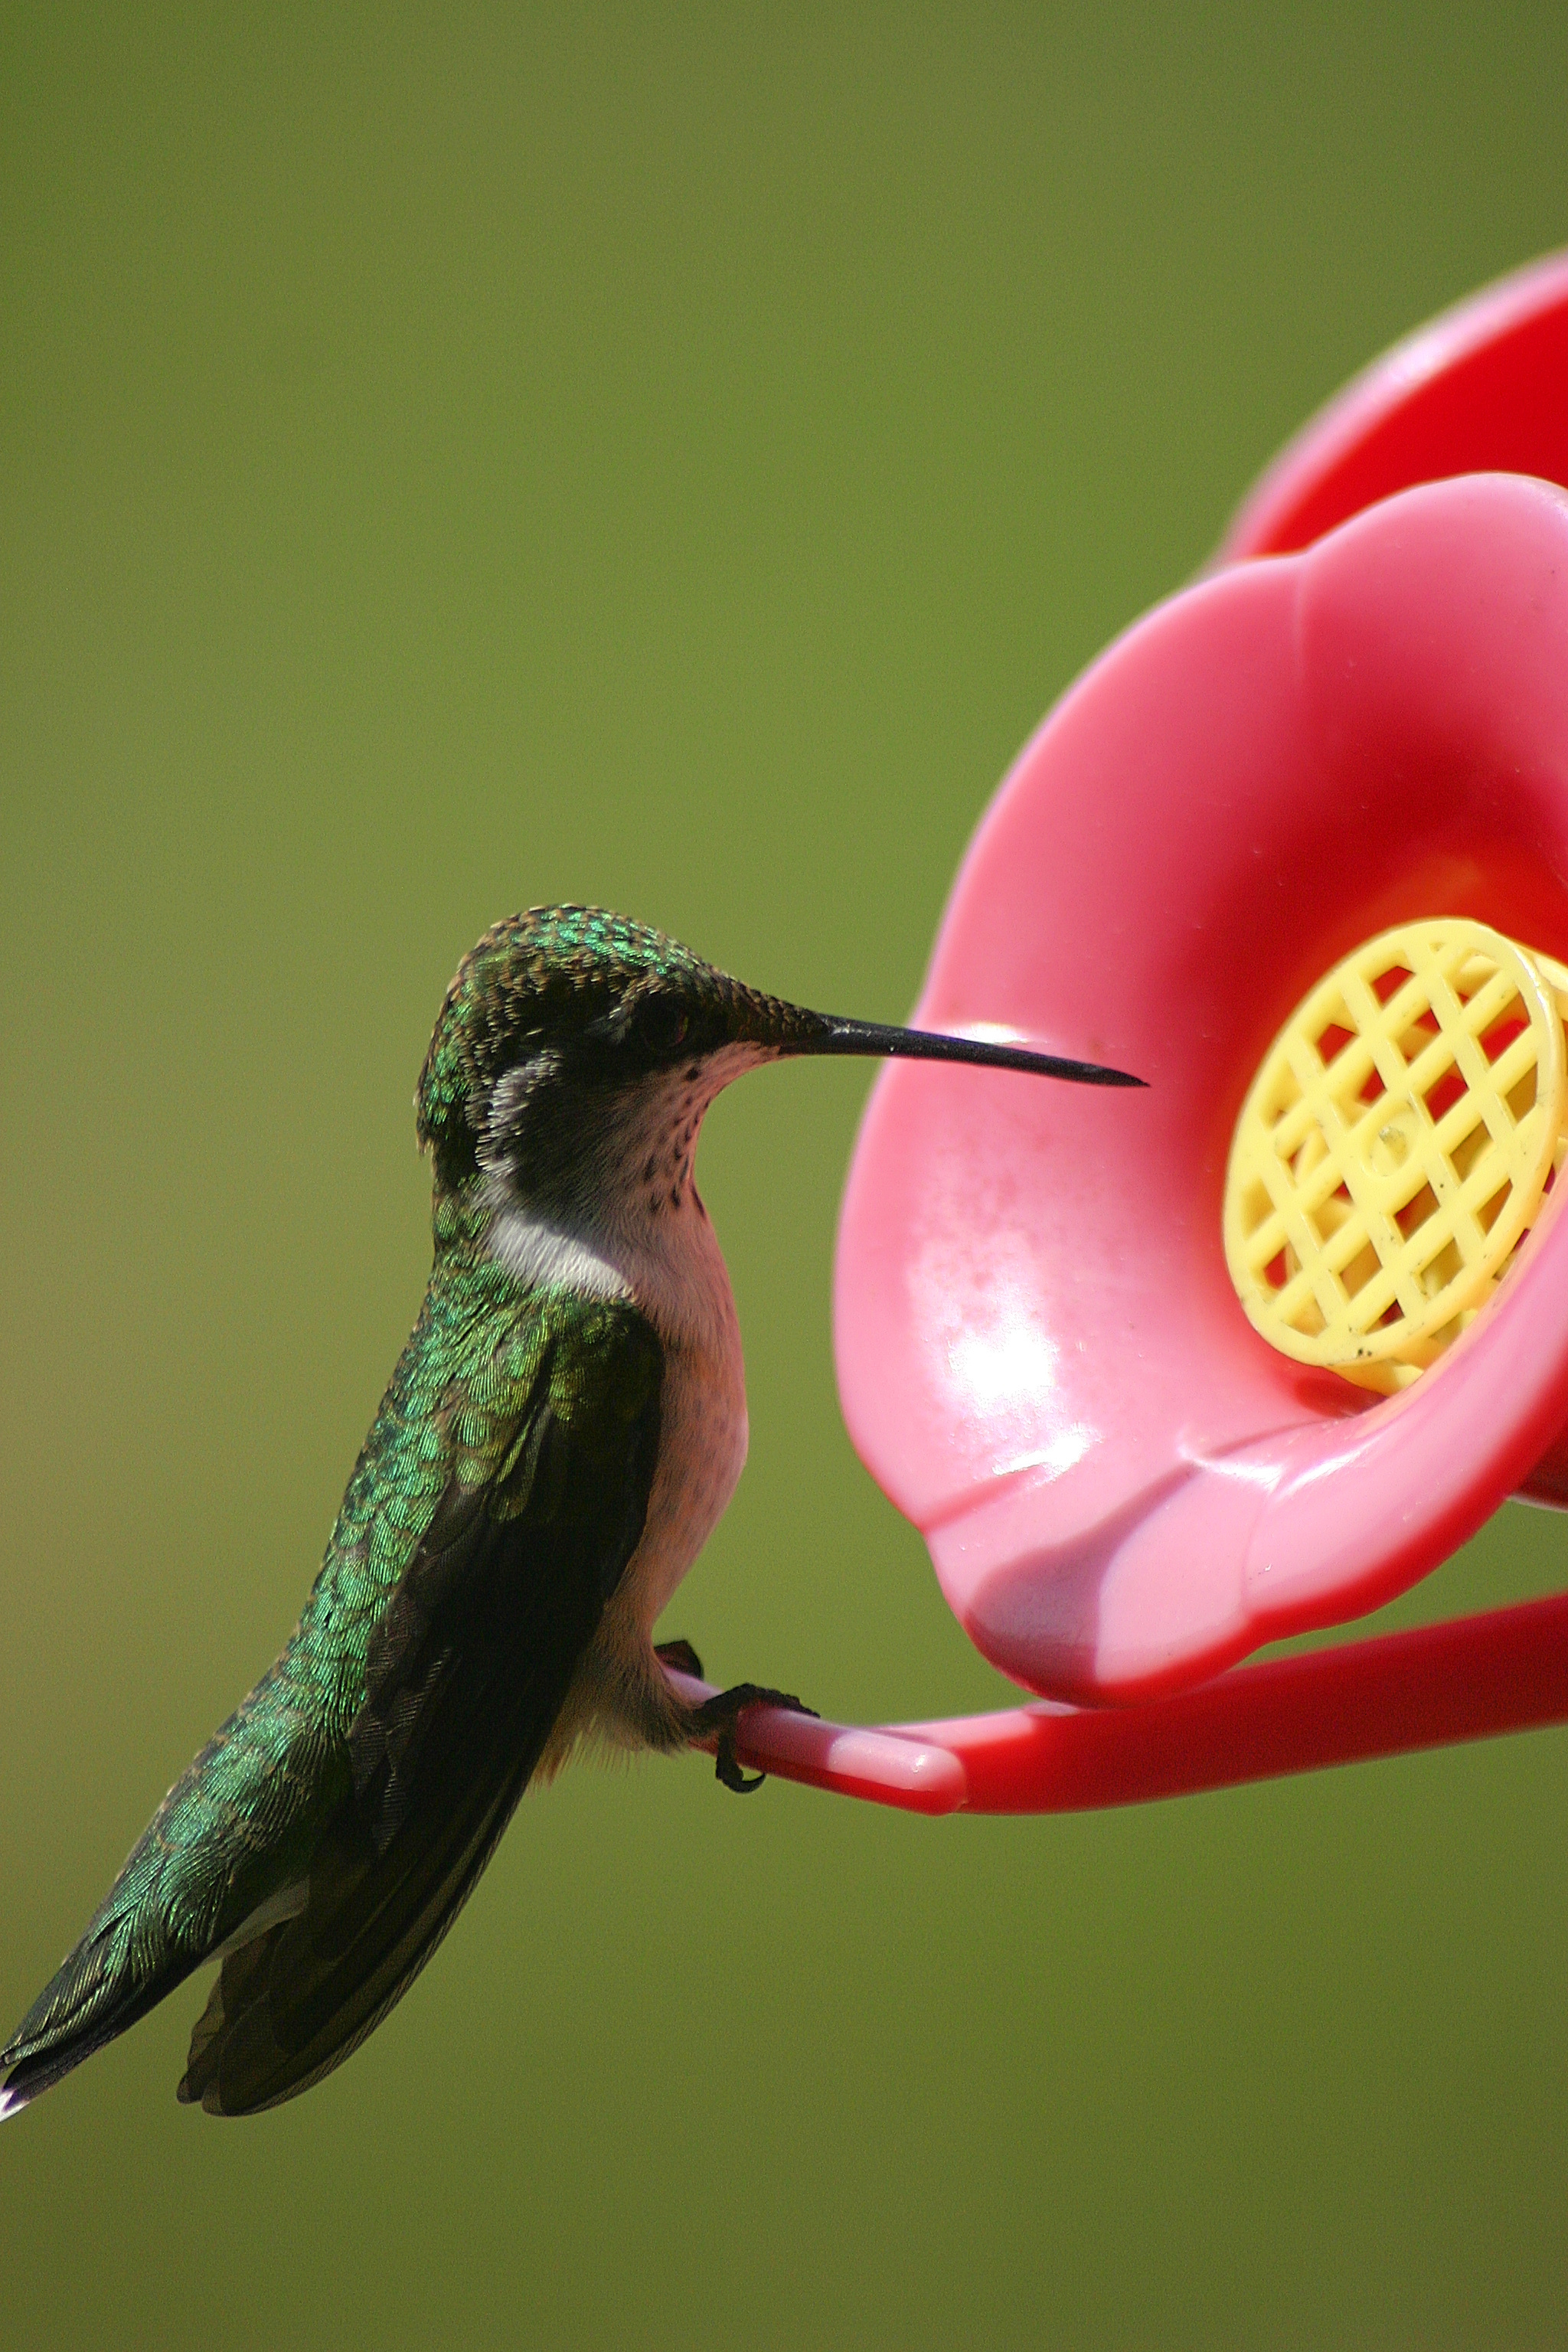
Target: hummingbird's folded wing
(465, 1672)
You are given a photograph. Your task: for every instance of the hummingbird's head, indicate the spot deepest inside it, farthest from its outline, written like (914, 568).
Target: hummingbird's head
(577, 1052)
(566, 1026)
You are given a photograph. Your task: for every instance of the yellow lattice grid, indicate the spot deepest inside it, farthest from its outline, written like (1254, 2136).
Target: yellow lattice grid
(1396, 1147)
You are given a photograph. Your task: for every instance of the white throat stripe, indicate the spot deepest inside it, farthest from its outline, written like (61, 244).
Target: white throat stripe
(542, 1257)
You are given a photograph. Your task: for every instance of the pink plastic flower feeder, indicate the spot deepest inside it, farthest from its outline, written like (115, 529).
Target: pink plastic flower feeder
(1042, 1351)
(1483, 389)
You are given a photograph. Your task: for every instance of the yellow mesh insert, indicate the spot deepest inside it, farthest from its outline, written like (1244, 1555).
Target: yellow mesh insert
(1396, 1147)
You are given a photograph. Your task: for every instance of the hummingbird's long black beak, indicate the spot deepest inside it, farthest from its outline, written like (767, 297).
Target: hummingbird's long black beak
(838, 1036)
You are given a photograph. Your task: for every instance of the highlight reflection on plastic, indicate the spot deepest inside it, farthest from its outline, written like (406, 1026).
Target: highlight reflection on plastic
(1043, 1360)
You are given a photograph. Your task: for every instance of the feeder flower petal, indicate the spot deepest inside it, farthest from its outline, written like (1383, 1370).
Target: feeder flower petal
(1041, 1355)
(1482, 389)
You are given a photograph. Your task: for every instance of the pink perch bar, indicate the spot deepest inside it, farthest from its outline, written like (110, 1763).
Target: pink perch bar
(1470, 1678)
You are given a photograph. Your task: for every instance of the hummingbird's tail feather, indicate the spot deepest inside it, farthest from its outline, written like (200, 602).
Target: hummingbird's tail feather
(111, 1980)
(321, 1864)
(291, 2004)
(465, 1674)
(188, 1884)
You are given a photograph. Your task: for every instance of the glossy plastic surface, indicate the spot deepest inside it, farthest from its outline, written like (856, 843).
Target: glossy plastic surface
(1469, 1679)
(1041, 1356)
(1036, 1355)
(1483, 389)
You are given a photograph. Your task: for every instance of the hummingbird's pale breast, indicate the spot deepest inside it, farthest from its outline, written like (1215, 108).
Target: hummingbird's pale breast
(642, 1235)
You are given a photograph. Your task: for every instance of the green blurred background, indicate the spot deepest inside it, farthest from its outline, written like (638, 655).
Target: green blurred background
(460, 457)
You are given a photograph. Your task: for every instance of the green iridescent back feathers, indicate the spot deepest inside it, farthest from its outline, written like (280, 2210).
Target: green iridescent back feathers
(353, 1798)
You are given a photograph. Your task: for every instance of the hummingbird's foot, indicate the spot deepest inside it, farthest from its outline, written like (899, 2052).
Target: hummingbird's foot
(681, 1656)
(719, 1714)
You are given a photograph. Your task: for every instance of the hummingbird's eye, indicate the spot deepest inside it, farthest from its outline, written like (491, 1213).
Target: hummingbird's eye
(661, 1024)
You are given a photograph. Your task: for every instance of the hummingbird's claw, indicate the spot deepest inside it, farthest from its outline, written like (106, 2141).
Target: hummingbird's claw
(681, 1656)
(719, 1714)
(727, 1768)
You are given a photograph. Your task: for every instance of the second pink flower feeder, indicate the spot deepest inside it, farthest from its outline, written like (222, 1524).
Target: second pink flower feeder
(1042, 1351)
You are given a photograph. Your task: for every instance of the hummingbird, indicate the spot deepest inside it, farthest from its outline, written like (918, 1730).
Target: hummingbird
(560, 1435)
